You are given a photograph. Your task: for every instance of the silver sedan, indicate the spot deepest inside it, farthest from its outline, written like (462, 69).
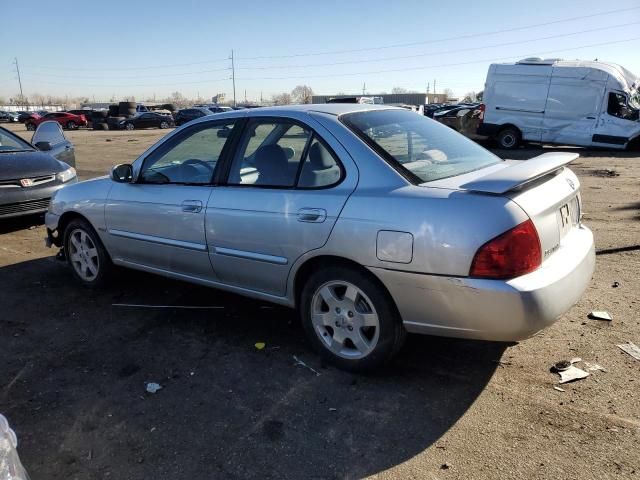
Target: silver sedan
(371, 221)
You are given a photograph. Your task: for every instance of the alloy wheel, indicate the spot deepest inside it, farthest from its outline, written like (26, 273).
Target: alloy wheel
(83, 255)
(345, 319)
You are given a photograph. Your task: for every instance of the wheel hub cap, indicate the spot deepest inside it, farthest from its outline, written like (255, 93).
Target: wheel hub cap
(83, 255)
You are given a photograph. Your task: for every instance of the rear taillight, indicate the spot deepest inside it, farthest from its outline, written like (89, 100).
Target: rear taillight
(481, 116)
(514, 253)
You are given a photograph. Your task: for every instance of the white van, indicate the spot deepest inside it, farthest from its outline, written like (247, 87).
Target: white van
(586, 103)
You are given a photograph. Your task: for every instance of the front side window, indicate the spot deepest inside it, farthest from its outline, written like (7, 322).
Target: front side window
(618, 107)
(269, 154)
(420, 148)
(192, 160)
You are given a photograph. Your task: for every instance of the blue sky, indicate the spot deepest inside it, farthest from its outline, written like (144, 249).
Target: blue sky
(141, 48)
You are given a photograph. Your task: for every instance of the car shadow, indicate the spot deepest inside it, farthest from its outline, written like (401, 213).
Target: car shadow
(77, 361)
(10, 225)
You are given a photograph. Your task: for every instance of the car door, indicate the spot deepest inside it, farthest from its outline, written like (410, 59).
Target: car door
(284, 190)
(146, 120)
(158, 221)
(61, 148)
(618, 121)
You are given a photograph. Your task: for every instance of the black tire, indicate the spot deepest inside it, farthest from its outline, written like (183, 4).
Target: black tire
(164, 124)
(30, 126)
(391, 334)
(71, 125)
(104, 266)
(509, 138)
(129, 126)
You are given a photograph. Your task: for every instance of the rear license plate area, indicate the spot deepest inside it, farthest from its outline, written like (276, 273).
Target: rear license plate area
(568, 216)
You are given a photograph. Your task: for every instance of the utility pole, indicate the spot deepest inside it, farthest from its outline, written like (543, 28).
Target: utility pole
(364, 86)
(428, 86)
(19, 79)
(434, 86)
(233, 77)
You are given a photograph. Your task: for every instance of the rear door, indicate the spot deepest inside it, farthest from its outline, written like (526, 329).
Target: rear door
(284, 190)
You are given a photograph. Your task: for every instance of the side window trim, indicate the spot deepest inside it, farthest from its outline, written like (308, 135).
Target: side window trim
(172, 142)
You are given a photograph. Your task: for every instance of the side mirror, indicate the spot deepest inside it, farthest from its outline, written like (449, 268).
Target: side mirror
(43, 146)
(122, 173)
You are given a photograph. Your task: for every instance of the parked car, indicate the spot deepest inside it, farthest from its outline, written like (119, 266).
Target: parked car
(147, 120)
(24, 116)
(187, 114)
(465, 119)
(367, 236)
(68, 120)
(10, 117)
(564, 102)
(30, 173)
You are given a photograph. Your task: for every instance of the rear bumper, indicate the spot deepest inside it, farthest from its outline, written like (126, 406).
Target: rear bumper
(495, 310)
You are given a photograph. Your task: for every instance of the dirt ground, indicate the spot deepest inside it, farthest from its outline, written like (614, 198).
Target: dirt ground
(75, 367)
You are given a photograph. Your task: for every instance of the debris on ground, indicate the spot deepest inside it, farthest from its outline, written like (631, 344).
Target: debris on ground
(600, 315)
(153, 387)
(615, 285)
(559, 389)
(188, 307)
(445, 466)
(567, 372)
(605, 172)
(592, 367)
(260, 345)
(107, 140)
(302, 364)
(331, 409)
(630, 348)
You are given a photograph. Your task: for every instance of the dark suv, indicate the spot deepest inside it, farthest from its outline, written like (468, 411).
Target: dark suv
(187, 114)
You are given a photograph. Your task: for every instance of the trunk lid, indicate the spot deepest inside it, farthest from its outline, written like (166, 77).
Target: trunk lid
(548, 192)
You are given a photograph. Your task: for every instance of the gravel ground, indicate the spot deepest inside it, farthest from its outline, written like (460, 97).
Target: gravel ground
(75, 367)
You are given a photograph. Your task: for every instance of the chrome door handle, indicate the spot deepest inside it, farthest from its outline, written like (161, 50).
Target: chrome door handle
(314, 215)
(192, 206)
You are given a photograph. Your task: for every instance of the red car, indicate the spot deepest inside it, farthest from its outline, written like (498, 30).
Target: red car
(67, 120)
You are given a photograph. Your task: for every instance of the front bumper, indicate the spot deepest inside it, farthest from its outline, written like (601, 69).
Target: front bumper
(18, 201)
(498, 310)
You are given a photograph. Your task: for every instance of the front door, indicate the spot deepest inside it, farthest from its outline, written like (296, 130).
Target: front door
(284, 191)
(618, 122)
(159, 221)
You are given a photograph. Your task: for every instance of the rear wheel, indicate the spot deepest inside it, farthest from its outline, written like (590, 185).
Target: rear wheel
(350, 319)
(72, 125)
(164, 125)
(508, 138)
(87, 257)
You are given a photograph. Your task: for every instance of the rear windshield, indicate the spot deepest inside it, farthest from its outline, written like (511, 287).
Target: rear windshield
(422, 149)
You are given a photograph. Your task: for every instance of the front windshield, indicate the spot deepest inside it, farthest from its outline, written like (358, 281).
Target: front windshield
(12, 143)
(423, 149)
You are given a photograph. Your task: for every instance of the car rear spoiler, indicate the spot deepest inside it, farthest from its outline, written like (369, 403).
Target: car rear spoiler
(520, 173)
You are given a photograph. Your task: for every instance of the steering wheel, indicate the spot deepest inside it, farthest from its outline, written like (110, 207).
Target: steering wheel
(195, 161)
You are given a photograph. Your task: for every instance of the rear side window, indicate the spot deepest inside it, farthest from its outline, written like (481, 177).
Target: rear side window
(320, 167)
(421, 149)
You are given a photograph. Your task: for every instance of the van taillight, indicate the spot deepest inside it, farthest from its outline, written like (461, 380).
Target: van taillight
(515, 252)
(481, 116)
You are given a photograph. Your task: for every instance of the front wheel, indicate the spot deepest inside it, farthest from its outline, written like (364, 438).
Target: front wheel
(31, 127)
(71, 125)
(87, 257)
(350, 319)
(129, 126)
(164, 125)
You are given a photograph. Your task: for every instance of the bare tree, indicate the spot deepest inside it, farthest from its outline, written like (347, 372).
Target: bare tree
(281, 99)
(470, 97)
(448, 93)
(398, 90)
(38, 99)
(302, 94)
(178, 99)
